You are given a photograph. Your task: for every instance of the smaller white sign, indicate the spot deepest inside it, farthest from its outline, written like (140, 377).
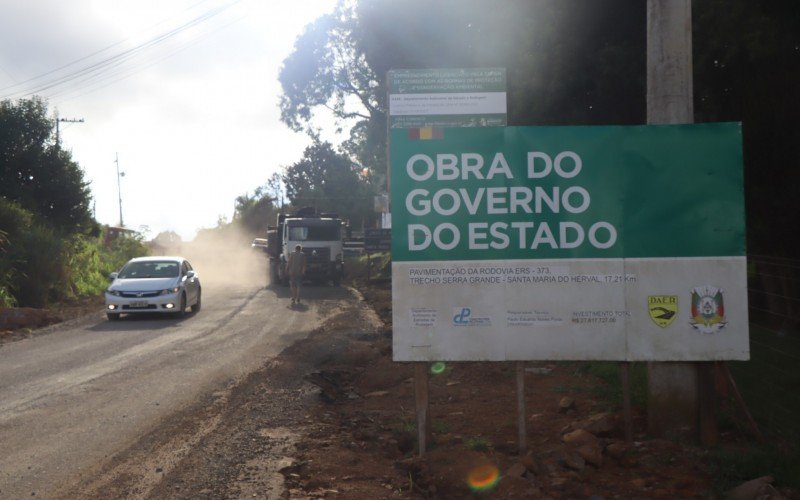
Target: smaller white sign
(448, 104)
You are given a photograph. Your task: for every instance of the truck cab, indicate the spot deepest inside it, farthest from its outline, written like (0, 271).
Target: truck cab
(320, 236)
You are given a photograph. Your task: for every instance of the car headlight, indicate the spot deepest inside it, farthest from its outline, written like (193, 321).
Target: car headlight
(112, 292)
(168, 291)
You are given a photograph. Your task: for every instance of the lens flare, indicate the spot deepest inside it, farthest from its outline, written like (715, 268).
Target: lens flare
(483, 478)
(438, 368)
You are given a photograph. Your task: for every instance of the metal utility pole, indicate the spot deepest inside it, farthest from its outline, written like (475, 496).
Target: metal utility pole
(673, 387)
(119, 190)
(64, 120)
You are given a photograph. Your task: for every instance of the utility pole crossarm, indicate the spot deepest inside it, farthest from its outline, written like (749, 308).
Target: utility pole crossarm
(64, 120)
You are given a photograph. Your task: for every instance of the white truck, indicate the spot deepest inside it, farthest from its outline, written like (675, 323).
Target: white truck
(320, 235)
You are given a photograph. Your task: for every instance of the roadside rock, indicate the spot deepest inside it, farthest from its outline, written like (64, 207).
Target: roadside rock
(592, 453)
(531, 464)
(755, 488)
(566, 404)
(516, 470)
(617, 450)
(579, 437)
(572, 460)
(601, 424)
(13, 318)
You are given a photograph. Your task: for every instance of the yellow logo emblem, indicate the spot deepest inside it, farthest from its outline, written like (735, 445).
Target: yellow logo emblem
(663, 309)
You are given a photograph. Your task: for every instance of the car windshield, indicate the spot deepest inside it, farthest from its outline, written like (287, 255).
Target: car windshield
(314, 233)
(150, 269)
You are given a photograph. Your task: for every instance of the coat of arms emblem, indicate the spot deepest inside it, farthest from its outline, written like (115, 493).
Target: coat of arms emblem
(663, 309)
(708, 309)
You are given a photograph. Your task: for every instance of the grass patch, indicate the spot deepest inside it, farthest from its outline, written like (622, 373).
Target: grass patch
(478, 443)
(610, 388)
(376, 266)
(407, 426)
(440, 427)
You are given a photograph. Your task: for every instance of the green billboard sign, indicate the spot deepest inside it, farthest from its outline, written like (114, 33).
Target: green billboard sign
(613, 242)
(568, 192)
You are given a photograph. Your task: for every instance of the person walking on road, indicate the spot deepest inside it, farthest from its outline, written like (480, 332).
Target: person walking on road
(296, 268)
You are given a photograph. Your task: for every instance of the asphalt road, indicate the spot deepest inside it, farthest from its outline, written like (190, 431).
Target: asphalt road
(72, 398)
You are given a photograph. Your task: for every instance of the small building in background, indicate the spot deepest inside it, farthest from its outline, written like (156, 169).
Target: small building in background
(113, 233)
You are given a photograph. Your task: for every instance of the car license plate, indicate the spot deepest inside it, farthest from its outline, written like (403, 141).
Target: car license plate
(141, 303)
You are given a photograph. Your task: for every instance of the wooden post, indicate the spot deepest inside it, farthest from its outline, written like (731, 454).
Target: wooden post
(422, 404)
(707, 402)
(626, 401)
(521, 420)
(739, 399)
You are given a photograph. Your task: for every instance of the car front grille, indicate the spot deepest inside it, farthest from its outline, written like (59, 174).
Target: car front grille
(139, 295)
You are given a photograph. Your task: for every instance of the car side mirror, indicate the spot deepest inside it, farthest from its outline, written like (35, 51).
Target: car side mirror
(190, 275)
(113, 276)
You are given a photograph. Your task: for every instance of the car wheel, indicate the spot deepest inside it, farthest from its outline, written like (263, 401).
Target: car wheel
(199, 303)
(112, 316)
(181, 312)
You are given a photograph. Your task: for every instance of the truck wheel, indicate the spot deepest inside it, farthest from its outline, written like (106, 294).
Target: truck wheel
(273, 273)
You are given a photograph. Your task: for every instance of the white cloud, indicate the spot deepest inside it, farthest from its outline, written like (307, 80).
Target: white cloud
(194, 118)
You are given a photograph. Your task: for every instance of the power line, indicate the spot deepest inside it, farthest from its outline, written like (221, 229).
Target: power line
(76, 61)
(100, 68)
(103, 80)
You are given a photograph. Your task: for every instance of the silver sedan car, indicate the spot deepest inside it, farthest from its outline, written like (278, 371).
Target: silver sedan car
(153, 285)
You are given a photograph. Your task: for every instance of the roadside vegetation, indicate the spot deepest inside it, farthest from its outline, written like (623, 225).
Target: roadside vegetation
(51, 248)
(40, 265)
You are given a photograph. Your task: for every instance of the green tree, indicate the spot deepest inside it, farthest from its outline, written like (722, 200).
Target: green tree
(330, 182)
(7, 273)
(568, 61)
(328, 70)
(255, 213)
(32, 262)
(37, 174)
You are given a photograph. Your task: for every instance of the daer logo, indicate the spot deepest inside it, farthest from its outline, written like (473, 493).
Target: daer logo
(462, 316)
(663, 309)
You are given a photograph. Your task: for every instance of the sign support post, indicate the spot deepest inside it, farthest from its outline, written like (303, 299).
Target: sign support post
(422, 404)
(626, 401)
(521, 420)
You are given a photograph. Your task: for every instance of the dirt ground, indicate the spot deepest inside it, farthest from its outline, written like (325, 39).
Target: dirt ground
(333, 417)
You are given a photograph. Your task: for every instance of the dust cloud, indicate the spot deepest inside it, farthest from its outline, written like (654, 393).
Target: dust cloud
(224, 258)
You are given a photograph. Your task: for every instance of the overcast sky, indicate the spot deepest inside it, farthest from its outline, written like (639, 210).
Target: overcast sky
(184, 91)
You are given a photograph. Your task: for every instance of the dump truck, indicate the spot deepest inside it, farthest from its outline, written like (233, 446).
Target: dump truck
(319, 234)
